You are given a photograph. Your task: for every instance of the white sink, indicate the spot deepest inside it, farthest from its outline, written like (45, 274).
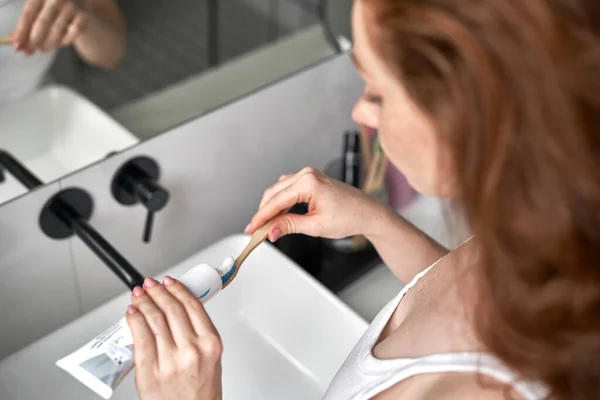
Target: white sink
(284, 334)
(55, 132)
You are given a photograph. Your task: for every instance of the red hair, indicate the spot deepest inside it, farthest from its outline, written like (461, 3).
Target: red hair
(514, 88)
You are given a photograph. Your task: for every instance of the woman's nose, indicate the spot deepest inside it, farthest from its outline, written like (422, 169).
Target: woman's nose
(364, 113)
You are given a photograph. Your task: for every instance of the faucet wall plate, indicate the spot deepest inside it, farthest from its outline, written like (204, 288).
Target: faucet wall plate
(81, 203)
(120, 188)
(137, 182)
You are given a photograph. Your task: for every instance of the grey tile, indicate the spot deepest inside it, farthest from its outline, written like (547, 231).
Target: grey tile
(167, 42)
(37, 290)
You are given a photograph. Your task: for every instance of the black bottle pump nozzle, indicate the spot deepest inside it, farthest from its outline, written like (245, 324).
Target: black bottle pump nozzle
(351, 159)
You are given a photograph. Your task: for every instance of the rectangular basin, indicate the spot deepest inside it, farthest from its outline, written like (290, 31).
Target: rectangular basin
(284, 335)
(56, 132)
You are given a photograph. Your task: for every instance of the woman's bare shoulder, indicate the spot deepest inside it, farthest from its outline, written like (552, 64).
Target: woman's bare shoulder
(447, 386)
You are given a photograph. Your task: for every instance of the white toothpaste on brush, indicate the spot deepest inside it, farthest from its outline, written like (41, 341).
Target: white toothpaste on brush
(102, 363)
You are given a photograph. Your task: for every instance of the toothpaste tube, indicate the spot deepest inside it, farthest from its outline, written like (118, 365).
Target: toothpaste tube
(102, 363)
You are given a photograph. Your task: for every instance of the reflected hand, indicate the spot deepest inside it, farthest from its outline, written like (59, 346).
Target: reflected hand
(335, 209)
(45, 25)
(177, 349)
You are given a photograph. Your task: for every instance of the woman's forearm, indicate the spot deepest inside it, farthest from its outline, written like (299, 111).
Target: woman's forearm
(102, 43)
(405, 249)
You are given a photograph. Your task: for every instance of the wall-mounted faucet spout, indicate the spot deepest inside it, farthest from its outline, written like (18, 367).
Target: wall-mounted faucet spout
(67, 213)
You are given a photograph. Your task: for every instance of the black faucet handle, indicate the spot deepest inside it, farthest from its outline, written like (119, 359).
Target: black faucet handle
(148, 227)
(153, 196)
(137, 182)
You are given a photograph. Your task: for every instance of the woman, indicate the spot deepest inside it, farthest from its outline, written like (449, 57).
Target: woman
(494, 103)
(39, 27)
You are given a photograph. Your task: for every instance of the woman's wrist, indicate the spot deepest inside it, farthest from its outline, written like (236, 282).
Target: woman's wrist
(101, 42)
(376, 216)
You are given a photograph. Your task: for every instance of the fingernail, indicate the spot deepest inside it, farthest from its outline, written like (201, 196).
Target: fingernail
(167, 281)
(247, 229)
(276, 235)
(149, 282)
(131, 310)
(138, 291)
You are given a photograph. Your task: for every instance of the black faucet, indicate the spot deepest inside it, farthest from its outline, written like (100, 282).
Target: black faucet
(137, 182)
(68, 213)
(18, 170)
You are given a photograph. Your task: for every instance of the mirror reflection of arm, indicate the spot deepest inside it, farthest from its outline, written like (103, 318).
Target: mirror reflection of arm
(102, 42)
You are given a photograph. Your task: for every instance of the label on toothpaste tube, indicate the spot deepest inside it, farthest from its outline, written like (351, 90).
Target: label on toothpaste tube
(103, 362)
(110, 357)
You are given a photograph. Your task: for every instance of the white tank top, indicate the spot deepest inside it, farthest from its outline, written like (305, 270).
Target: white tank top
(363, 376)
(20, 75)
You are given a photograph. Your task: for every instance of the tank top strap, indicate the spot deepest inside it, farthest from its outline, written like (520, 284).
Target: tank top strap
(467, 362)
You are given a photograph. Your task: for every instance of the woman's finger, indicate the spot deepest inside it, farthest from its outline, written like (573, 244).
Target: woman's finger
(77, 26)
(200, 320)
(25, 23)
(155, 319)
(43, 23)
(285, 182)
(174, 312)
(285, 176)
(286, 199)
(278, 187)
(60, 26)
(145, 353)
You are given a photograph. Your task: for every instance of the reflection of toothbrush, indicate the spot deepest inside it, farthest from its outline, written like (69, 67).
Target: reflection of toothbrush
(231, 267)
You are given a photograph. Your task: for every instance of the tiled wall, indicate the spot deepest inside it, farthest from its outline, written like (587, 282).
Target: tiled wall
(38, 288)
(171, 37)
(216, 169)
(290, 14)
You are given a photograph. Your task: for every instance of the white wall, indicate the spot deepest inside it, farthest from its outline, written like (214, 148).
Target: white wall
(216, 169)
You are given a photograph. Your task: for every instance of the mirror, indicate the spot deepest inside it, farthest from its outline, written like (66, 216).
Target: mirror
(103, 76)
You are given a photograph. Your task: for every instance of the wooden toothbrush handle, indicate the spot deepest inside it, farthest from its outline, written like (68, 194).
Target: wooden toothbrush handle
(259, 236)
(5, 40)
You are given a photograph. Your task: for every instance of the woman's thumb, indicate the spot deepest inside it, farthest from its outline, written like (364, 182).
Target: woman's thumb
(286, 225)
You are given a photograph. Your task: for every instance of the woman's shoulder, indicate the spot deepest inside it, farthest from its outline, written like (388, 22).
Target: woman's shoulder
(447, 386)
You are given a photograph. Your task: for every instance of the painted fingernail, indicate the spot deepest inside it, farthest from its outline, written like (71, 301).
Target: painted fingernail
(167, 281)
(276, 235)
(131, 310)
(247, 229)
(138, 291)
(149, 282)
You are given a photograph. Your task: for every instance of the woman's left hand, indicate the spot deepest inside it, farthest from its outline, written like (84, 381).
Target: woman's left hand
(45, 25)
(177, 348)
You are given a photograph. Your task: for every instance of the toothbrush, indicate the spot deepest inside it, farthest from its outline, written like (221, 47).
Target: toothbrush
(365, 147)
(373, 183)
(376, 173)
(233, 266)
(5, 40)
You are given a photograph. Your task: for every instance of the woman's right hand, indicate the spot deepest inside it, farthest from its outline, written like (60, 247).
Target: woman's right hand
(335, 209)
(48, 24)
